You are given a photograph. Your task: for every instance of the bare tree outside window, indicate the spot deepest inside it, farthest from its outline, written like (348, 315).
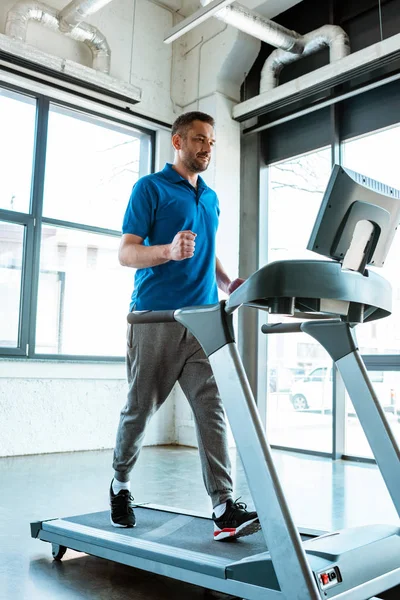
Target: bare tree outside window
(303, 173)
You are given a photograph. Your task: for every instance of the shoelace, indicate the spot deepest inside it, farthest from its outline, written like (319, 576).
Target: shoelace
(240, 505)
(131, 499)
(117, 500)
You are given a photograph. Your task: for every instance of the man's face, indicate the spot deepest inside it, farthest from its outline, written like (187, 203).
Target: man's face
(196, 146)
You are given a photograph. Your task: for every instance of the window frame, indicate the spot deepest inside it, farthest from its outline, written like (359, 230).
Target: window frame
(34, 220)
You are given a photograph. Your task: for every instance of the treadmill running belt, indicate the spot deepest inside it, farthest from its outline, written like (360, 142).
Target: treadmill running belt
(176, 530)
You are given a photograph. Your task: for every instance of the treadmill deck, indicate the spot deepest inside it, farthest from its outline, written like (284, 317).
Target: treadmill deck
(180, 531)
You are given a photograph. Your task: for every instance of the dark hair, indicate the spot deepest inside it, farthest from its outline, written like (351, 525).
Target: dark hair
(183, 122)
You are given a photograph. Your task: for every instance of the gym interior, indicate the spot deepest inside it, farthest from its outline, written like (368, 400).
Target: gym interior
(88, 93)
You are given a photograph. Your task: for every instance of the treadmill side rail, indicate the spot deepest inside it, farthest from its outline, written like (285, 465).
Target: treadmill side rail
(169, 555)
(65, 534)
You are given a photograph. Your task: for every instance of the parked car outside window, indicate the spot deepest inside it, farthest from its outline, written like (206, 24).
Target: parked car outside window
(314, 391)
(282, 379)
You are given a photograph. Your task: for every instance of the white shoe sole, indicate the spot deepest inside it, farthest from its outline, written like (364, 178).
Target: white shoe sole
(247, 528)
(121, 526)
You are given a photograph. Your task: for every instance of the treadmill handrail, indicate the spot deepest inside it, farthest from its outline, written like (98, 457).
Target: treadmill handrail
(151, 316)
(281, 328)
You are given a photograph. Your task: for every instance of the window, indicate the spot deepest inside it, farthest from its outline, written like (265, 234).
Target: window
(375, 155)
(65, 185)
(83, 294)
(299, 402)
(17, 126)
(11, 256)
(299, 393)
(91, 166)
(387, 387)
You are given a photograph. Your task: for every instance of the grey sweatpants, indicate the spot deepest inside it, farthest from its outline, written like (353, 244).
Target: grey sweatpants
(158, 355)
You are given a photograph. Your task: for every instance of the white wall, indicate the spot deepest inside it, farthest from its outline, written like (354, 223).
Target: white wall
(63, 407)
(59, 407)
(134, 30)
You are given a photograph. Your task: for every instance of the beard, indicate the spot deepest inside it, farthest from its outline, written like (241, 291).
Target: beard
(194, 164)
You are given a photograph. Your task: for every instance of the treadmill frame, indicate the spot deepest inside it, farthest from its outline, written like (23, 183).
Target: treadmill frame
(296, 579)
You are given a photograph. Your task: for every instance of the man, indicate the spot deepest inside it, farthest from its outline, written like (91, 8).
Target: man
(169, 235)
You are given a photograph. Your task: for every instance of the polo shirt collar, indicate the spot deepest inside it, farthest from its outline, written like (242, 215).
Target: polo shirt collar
(174, 177)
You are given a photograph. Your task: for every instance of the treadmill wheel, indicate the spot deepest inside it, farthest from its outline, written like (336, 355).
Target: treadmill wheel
(58, 551)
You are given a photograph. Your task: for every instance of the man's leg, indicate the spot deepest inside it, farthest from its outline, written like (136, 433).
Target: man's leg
(153, 367)
(231, 519)
(198, 385)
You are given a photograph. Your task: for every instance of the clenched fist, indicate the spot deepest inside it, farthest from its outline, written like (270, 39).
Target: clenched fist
(182, 245)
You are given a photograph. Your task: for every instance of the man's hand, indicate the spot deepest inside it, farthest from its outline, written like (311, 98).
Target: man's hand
(235, 284)
(182, 246)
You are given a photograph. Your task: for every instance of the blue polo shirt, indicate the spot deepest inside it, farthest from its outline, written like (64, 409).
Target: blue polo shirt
(161, 205)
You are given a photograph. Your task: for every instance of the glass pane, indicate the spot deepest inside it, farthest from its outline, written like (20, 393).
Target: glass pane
(17, 126)
(11, 255)
(295, 190)
(299, 397)
(83, 294)
(387, 388)
(299, 402)
(375, 155)
(91, 166)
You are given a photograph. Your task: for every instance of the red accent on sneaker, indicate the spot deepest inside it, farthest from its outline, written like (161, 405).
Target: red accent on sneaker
(227, 530)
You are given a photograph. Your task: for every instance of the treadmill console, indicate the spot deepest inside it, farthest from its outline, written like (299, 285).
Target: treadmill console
(357, 220)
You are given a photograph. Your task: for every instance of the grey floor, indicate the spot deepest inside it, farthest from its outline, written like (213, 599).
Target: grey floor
(322, 494)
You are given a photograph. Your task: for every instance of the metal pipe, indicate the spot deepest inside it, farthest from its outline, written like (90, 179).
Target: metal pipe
(259, 27)
(77, 11)
(25, 11)
(97, 44)
(19, 16)
(330, 36)
(291, 45)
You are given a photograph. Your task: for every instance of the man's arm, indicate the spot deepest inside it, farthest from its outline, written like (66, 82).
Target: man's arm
(132, 253)
(223, 281)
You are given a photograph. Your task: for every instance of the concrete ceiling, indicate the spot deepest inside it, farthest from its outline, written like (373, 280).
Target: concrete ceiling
(267, 8)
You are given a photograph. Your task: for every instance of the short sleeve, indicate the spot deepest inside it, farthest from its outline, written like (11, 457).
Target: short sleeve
(139, 214)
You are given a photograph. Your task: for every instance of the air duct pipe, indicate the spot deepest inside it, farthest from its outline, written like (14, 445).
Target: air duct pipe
(259, 27)
(24, 11)
(291, 45)
(77, 11)
(330, 36)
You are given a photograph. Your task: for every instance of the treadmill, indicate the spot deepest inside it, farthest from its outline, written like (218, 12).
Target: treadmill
(328, 298)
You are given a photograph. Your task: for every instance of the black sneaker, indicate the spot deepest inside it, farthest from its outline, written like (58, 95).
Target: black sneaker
(235, 522)
(122, 514)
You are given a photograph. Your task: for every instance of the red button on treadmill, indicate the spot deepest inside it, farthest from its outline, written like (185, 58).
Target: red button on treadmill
(325, 578)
